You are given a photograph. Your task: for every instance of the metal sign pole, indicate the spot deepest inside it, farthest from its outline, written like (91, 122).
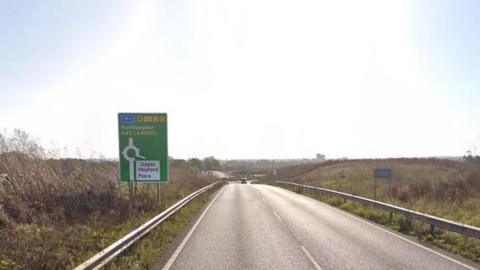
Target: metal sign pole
(158, 193)
(134, 193)
(382, 174)
(131, 190)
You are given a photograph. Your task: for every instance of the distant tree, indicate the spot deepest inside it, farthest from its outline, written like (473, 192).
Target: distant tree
(211, 164)
(177, 162)
(196, 163)
(469, 157)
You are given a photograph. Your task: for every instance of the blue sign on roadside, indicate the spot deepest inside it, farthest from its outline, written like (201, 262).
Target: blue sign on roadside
(382, 173)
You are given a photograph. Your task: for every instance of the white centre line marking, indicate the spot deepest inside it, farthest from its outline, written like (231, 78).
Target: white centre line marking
(189, 234)
(278, 216)
(311, 258)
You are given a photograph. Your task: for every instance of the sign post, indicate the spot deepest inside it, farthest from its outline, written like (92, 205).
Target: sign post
(143, 148)
(381, 174)
(158, 193)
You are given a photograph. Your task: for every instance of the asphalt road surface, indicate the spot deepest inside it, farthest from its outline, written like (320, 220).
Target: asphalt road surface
(265, 227)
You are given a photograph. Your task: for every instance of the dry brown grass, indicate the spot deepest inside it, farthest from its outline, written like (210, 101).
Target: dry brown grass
(55, 213)
(445, 188)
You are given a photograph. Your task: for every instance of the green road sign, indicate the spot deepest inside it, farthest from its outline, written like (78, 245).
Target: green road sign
(143, 147)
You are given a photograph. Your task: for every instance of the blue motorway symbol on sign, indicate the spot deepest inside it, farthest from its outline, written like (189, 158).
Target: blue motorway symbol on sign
(382, 173)
(127, 119)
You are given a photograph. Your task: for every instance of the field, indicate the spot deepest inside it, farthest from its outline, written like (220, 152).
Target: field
(443, 188)
(56, 213)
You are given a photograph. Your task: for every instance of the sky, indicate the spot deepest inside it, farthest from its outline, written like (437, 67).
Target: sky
(246, 79)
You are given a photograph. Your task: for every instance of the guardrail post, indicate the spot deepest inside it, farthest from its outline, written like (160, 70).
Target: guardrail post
(390, 217)
(409, 215)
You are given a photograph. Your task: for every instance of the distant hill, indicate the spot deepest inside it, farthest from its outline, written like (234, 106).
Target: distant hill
(260, 166)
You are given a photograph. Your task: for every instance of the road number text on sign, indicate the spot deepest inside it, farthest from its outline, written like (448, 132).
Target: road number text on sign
(143, 147)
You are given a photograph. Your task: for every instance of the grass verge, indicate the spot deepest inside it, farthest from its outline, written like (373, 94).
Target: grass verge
(450, 241)
(147, 251)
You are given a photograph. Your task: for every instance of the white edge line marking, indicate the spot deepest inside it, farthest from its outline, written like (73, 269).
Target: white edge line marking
(397, 236)
(414, 243)
(311, 258)
(189, 234)
(278, 216)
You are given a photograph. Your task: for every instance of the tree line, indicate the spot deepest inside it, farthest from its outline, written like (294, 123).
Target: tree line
(206, 164)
